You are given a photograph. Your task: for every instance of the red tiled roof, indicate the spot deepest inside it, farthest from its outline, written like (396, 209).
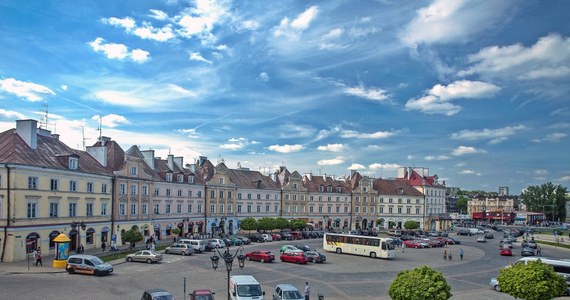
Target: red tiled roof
(391, 187)
(315, 182)
(252, 180)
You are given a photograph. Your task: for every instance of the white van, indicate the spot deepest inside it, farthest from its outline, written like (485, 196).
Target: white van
(561, 266)
(245, 287)
(199, 246)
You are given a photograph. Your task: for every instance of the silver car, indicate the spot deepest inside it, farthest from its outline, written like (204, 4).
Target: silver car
(182, 249)
(494, 283)
(287, 292)
(144, 256)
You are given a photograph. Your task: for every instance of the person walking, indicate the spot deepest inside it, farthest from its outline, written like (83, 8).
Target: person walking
(307, 290)
(461, 253)
(35, 253)
(103, 246)
(39, 258)
(444, 254)
(538, 250)
(403, 247)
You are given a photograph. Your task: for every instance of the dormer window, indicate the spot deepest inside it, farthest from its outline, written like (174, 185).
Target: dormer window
(329, 188)
(321, 188)
(400, 191)
(190, 179)
(180, 178)
(338, 189)
(73, 163)
(168, 176)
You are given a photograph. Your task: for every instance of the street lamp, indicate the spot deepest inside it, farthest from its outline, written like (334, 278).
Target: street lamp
(78, 225)
(229, 260)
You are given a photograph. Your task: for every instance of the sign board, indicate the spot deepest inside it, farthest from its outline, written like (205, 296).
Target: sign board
(113, 237)
(555, 232)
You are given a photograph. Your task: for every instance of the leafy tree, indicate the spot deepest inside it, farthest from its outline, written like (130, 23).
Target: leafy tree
(266, 223)
(391, 224)
(248, 224)
(419, 283)
(410, 225)
(533, 281)
(175, 231)
(462, 203)
(132, 237)
(298, 224)
(547, 198)
(281, 223)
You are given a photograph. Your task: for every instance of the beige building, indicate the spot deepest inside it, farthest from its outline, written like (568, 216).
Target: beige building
(399, 202)
(329, 203)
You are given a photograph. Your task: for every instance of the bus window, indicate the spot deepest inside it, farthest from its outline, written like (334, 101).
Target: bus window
(383, 245)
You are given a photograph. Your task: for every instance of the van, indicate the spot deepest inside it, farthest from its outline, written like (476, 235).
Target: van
(561, 266)
(87, 264)
(199, 246)
(245, 287)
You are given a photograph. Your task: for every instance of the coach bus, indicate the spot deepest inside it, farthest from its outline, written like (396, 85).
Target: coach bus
(359, 245)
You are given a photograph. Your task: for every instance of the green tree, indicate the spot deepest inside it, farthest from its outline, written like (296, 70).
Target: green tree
(175, 231)
(419, 283)
(266, 224)
(297, 224)
(462, 203)
(532, 281)
(410, 225)
(248, 224)
(547, 198)
(281, 223)
(132, 237)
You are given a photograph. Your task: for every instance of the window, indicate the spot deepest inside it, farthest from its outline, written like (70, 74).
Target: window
(294, 209)
(199, 208)
(72, 209)
(249, 196)
(221, 208)
(364, 209)
(372, 210)
(199, 194)
(134, 171)
(134, 189)
(168, 176)
(267, 208)
(258, 196)
(133, 209)
(190, 179)
(329, 188)
(229, 194)
(32, 183)
(145, 190)
(168, 192)
(180, 178)
(53, 209)
(144, 209)
(239, 196)
(357, 209)
(258, 208)
(311, 209)
(73, 163)
(104, 188)
(122, 209)
(381, 210)
(90, 187)
(122, 189)
(72, 186)
(287, 209)
(212, 208)
(329, 209)
(229, 208)
(156, 191)
(249, 208)
(408, 210)
(156, 208)
(239, 208)
(104, 208)
(321, 188)
(329, 199)
(221, 194)
(276, 208)
(167, 208)
(399, 210)
(417, 210)
(179, 193)
(338, 209)
(390, 210)
(189, 208)
(267, 196)
(212, 194)
(339, 189)
(189, 194)
(221, 180)
(54, 184)
(32, 209)
(89, 210)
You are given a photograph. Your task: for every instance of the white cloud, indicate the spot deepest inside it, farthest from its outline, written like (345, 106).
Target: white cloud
(146, 31)
(119, 51)
(11, 114)
(374, 147)
(293, 29)
(191, 132)
(295, 131)
(467, 172)
(553, 137)
(439, 157)
(140, 94)
(200, 20)
(446, 21)
(376, 166)
(371, 94)
(548, 58)
(564, 179)
(248, 25)
(197, 57)
(127, 23)
(158, 14)
(333, 34)
(63, 87)
(237, 143)
(356, 167)
(286, 148)
(331, 162)
(374, 135)
(263, 76)
(331, 147)
(494, 135)
(437, 99)
(27, 90)
(111, 120)
(463, 150)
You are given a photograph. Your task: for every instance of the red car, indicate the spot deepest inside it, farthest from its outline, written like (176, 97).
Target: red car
(202, 295)
(412, 244)
(505, 251)
(445, 240)
(276, 237)
(261, 255)
(294, 257)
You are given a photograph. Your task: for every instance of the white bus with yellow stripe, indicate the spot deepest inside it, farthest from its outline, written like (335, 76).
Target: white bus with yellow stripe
(370, 246)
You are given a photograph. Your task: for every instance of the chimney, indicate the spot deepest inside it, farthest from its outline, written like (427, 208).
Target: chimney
(149, 157)
(28, 131)
(104, 140)
(202, 160)
(55, 136)
(352, 173)
(99, 153)
(309, 176)
(192, 167)
(170, 161)
(179, 161)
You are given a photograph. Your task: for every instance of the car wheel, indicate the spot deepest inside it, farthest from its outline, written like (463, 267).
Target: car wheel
(497, 288)
(298, 261)
(129, 259)
(338, 250)
(183, 253)
(262, 260)
(373, 254)
(149, 261)
(166, 251)
(247, 258)
(70, 270)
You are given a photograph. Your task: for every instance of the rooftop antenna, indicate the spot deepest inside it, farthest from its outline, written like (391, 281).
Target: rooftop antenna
(100, 129)
(45, 122)
(83, 135)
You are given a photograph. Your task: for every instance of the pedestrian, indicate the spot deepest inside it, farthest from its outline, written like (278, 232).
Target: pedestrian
(307, 290)
(152, 246)
(444, 254)
(403, 247)
(39, 259)
(35, 263)
(81, 249)
(103, 246)
(461, 253)
(113, 246)
(449, 256)
(538, 250)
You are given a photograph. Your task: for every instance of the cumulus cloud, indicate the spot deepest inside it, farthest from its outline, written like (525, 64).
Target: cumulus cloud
(467, 172)
(376, 166)
(494, 136)
(375, 94)
(439, 157)
(111, 120)
(200, 21)
(119, 51)
(356, 167)
(286, 148)
(146, 30)
(447, 21)
(463, 150)
(548, 58)
(437, 99)
(331, 147)
(263, 76)
(331, 162)
(197, 57)
(374, 135)
(11, 114)
(27, 90)
(237, 143)
(293, 29)
(553, 137)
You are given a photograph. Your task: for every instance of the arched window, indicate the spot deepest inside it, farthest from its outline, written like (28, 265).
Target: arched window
(52, 236)
(89, 236)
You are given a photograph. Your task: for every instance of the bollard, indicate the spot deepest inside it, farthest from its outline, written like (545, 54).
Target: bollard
(321, 297)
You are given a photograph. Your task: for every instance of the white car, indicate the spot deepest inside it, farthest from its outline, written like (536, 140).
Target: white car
(218, 243)
(266, 237)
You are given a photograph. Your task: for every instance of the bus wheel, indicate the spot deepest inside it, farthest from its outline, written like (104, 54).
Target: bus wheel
(338, 250)
(373, 254)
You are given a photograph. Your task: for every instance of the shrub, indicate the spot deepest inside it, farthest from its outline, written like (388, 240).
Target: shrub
(532, 281)
(418, 284)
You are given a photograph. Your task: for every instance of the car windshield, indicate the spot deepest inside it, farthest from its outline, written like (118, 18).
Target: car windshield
(249, 290)
(203, 297)
(163, 297)
(97, 261)
(390, 244)
(291, 295)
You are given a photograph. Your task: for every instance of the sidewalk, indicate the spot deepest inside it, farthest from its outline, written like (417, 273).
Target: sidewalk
(27, 267)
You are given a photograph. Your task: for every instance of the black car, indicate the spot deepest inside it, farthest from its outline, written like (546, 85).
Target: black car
(286, 236)
(316, 257)
(489, 236)
(209, 247)
(526, 251)
(464, 232)
(255, 238)
(303, 247)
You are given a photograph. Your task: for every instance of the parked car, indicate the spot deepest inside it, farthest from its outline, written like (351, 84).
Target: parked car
(481, 239)
(455, 241)
(489, 236)
(287, 292)
(236, 241)
(255, 238)
(266, 237)
(504, 244)
(182, 249)
(316, 257)
(506, 251)
(209, 247)
(157, 294)
(276, 237)
(144, 256)
(412, 244)
(294, 257)
(245, 240)
(202, 295)
(464, 232)
(303, 247)
(296, 235)
(218, 243)
(87, 264)
(260, 255)
(527, 251)
(494, 283)
(286, 248)
(529, 244)
(286, 236)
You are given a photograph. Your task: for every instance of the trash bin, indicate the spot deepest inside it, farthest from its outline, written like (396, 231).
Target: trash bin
(321, 297)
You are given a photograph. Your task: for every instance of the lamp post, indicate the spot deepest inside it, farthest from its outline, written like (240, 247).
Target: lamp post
(78, 225)
(229, 260)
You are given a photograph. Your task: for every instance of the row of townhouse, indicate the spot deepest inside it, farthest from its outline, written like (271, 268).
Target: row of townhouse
(93, 196)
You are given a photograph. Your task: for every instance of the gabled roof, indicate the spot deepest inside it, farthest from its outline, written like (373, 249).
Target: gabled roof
(204, 172)
(315, 182)
(392, 187)
(252, 180)
(48, 154)
(416, 179)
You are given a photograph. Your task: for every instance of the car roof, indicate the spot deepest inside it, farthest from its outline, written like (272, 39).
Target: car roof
(287, 287)
(202, 292)
(83, 256)
(157, 291)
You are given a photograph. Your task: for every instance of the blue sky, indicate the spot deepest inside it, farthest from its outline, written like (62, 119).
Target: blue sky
(476, 91)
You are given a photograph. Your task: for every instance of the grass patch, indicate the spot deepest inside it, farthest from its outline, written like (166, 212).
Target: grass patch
(562, 244)
(124, 253)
